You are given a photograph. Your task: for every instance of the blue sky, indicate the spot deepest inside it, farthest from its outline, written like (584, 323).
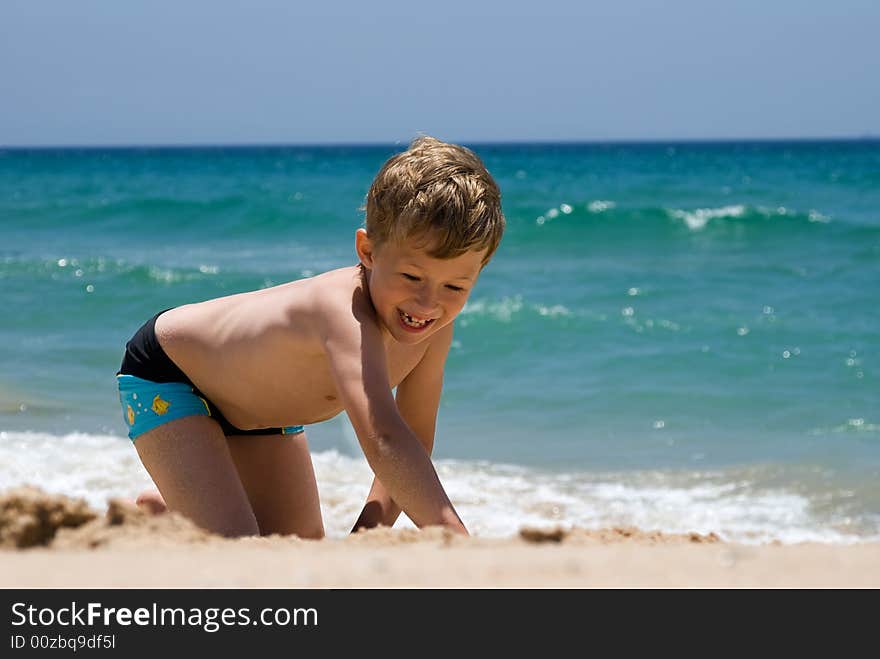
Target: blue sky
(108, 72)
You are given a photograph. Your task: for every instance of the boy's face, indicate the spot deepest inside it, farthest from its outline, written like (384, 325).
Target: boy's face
(416, 294)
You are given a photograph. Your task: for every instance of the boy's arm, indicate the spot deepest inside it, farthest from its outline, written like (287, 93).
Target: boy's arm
(418, 398)
(357, 360)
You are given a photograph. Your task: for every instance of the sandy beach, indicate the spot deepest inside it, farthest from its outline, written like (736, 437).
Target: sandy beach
(54, 541)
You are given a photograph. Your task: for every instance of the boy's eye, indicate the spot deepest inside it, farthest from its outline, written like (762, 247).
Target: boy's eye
(457, 289)
(410, 277)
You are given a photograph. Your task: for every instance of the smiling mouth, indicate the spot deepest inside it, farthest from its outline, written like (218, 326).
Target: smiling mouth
(412, 322)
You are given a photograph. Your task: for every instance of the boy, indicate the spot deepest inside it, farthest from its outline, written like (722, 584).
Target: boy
(216, 394)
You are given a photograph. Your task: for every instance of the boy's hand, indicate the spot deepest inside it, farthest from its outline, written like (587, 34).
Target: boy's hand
(380, 510)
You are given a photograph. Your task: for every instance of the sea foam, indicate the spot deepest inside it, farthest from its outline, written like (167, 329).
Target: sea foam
(494, 500)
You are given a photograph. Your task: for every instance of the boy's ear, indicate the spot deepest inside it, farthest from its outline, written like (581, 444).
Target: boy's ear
(364, 248)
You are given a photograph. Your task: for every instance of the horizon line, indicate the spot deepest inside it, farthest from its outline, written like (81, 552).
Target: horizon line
(867, 137)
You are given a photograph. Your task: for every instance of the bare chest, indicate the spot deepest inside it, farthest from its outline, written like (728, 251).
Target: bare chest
(264, 389)
(314, 388)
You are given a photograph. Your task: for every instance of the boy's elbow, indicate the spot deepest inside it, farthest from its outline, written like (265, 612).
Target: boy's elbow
(377, 443)
(382, 428)
(383, 440)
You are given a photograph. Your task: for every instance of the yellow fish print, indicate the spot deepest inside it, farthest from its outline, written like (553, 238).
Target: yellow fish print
(130, 415)
(160, 406)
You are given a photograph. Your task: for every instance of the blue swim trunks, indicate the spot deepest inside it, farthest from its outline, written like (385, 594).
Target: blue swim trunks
(153, 390)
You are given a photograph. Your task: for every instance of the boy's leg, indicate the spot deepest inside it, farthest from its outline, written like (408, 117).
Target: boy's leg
(277, 474)
(189, 461)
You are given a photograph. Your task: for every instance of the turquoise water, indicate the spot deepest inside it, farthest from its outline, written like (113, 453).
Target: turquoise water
(659, 317)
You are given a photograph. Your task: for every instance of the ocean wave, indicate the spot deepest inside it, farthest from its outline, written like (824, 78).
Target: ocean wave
(507, 308)
(603, 222)
(120, 270)
(96, 209)
(698, 219)
(198, 266)
(856, 425)
(171, 208)
(608, 213)
(495, 500)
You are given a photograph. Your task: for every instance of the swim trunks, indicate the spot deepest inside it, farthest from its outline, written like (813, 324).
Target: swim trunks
(153, 390)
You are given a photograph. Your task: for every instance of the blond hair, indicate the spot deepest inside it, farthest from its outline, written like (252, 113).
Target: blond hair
(438, 192)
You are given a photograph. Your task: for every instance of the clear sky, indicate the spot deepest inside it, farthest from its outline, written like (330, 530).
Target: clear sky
(116, 72)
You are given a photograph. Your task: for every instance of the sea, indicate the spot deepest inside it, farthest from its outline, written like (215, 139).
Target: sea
(679, 336)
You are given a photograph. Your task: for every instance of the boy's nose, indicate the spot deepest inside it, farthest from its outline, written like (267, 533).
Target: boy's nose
(426, 304)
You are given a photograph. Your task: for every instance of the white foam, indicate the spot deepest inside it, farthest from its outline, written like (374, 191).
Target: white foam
(698, 218)
(502, 310)
(600, 206)
(505, 309)
(494, 500)
(93, 467)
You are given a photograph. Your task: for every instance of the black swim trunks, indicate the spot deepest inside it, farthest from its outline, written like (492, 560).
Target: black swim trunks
(153, 390)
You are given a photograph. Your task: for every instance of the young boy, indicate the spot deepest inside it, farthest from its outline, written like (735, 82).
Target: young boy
(216, 394)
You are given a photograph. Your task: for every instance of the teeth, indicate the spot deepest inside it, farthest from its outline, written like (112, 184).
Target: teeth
(412, 322)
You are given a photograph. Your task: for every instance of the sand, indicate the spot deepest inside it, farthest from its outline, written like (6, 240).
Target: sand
(55, 541)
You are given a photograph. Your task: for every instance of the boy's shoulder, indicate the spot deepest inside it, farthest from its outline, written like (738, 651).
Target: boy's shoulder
(340, 310)
(340, 296)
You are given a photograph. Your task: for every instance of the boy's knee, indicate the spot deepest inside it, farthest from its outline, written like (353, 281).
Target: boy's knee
(303, 532)
(313, 534)
(240, 530)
